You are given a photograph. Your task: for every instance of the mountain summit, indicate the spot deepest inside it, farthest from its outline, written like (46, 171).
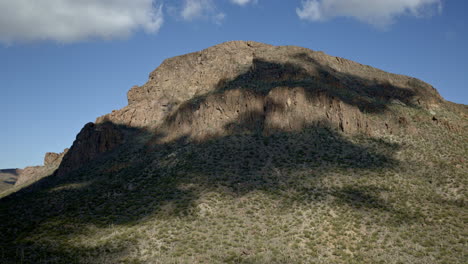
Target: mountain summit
(251, 153)
(267, 74)
(243, 86)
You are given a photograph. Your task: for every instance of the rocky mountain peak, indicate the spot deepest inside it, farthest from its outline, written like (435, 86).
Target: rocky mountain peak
(287, 87)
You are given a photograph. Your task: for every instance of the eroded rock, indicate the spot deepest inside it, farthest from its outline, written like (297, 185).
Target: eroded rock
(33, 173)
(343, 89)
(93, 140)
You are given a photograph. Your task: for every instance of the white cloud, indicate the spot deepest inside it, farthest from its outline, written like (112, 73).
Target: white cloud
(242, 2)
(380, 13)
(76, 20)
(201, 9)
(194, 9)
(219, 18)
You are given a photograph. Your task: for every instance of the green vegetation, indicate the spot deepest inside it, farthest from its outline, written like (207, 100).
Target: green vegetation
(317, 196)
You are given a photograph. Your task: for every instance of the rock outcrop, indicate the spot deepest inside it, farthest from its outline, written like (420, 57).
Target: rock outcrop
(240, 84)
(33, 173)
(52, 158)
(92, 141)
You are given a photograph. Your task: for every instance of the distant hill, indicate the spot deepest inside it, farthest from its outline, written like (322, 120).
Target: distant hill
(251, 153)
(10, 178)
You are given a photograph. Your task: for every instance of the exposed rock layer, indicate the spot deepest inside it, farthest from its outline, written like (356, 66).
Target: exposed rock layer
(210, 92)
(242, 86)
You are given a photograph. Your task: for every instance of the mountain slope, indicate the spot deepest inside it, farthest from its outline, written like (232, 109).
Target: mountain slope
(250, 153)
(8, 178)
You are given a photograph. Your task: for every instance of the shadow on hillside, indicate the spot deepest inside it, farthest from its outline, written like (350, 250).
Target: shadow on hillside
(10, 181)
(13, 172)
(138, 180)
(369, 96)
(9, 175)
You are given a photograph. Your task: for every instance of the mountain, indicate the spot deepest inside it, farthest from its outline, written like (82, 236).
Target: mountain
(252, 153)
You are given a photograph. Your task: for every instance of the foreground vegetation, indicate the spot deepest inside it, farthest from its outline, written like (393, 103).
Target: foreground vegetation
(317, 196)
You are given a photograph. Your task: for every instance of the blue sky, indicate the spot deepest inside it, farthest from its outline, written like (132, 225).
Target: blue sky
(64, 63)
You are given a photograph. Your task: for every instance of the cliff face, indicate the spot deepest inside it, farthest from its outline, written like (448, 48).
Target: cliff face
(207, 93)
(92, 141)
